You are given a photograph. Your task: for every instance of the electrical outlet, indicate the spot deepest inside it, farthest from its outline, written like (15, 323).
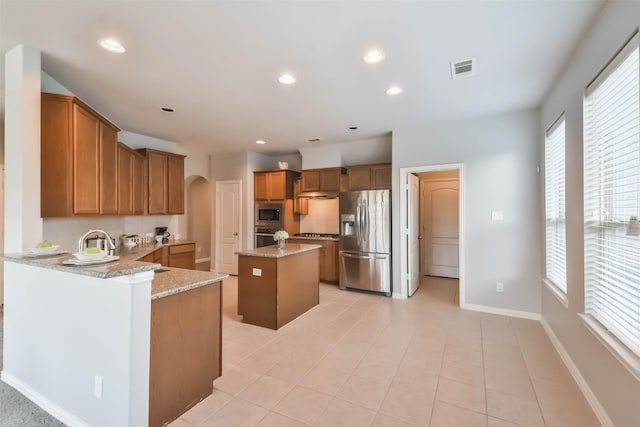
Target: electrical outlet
(257, 272)
(500, 287)
(199, 249)
(97, 387)
(497, 216)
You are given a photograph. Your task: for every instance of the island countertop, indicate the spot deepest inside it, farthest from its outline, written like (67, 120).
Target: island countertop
(274, 252)
(168, 281)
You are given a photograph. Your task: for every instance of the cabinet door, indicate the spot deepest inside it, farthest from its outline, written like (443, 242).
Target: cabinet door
(330, 180)
(56, 154)
(182, 256)
(359, 178)
(300, 204)
(139, 183)
(86, 162)
(310, 181)
(176, 184)
(125, 181)
(276, 185)
(157, 164)
(108, 170)
(381, 177)
(260, 186)
(331, 262)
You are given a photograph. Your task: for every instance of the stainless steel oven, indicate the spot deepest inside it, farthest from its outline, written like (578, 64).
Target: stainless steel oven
(264, 237)
(269, 215)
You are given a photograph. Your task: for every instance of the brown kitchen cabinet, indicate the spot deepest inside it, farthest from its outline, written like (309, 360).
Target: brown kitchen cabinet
(321, 180)
(300, 204)
(182, 256)
(328, 257)
(165, 182)
(369, 177)
(130, 181)
(79, 159)
(274, 185)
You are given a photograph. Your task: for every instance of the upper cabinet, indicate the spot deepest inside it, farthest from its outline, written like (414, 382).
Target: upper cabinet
(274, 185)
(131, 180)
(300, 204)
(79, 156)
(369, 177)
(165, 182)
(326, 179)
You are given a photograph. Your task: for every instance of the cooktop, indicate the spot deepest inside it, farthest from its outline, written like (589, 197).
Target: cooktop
(316, 235)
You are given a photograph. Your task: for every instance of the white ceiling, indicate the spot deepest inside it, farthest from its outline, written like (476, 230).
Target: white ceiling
(217, 63)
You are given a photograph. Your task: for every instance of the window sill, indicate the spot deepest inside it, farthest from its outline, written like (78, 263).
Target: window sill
(557, 292)
(620, 351)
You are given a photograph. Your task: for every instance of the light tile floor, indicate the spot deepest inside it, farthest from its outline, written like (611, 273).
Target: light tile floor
(365, 360)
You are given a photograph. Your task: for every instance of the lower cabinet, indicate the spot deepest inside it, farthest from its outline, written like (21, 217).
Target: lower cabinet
(328, 257)
(185, 356)
(178, 256)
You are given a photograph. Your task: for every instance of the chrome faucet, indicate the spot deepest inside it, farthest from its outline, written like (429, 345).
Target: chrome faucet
(82, 243)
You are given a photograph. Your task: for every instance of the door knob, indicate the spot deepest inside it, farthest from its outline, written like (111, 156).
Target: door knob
(235, 234)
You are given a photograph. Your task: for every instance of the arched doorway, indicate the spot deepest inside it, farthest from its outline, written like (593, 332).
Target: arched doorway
(198, 215)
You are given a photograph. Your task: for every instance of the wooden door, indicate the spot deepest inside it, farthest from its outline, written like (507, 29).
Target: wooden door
(138, 183)
(157, 185)
(440, 228)
(300, 204)
(108, 170)
(175, 197)
(412, 233)
(276, 185)
(260, 186)
(330, 180)
(359, 178)
(228, 215)
(310, 180)
(380, 177)
(125, 180)
(86, 162)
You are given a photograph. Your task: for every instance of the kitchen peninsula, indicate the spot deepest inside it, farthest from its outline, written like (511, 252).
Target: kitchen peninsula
(125, 343)
(277, 285)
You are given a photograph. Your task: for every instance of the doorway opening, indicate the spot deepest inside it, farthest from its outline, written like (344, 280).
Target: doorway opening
(432, 245)
(198, 213)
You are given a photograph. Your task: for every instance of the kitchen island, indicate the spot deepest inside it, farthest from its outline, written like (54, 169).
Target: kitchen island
(111, 344)
(277, 285)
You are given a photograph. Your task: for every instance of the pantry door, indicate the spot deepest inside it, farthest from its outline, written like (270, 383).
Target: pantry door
(440, 228)
(228, 220)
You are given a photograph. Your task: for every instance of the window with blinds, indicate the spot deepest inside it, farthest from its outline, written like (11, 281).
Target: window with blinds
(554, 197)
(612, 197)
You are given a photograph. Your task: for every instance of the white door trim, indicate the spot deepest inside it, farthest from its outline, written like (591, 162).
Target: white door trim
(404, 256)
(217, 228)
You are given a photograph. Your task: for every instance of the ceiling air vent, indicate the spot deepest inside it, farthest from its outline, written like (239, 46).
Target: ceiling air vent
(464, 68)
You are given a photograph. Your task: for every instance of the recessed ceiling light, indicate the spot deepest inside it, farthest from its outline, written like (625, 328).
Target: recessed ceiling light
(168, 109)
(373, 56)
(394, 90)
(353, 127)
(112, 45)
(261, 142)
(313, 140)
(287, 79)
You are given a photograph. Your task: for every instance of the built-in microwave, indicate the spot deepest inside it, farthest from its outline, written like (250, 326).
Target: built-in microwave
(269, 215)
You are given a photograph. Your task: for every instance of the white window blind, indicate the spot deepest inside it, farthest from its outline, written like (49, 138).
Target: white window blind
(554, 196)
(612, 196)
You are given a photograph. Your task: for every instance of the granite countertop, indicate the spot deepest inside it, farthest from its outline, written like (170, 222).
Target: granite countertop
(333, 239)
(168, 281)
(138, 252)
(274, 252)
(122, 267)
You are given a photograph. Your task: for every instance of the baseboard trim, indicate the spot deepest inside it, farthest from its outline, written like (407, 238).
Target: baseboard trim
(47, 405)
(595, 404)
(502, 311)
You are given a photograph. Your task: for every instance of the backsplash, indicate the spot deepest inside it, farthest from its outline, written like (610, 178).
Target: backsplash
(322, 217)
(66, 231)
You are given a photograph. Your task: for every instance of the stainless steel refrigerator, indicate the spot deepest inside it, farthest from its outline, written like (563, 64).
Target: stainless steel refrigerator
(365, 240)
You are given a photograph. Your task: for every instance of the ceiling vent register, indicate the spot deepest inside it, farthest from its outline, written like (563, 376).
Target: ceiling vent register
(464, 68)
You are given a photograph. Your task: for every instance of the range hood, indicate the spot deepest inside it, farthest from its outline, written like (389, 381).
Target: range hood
(319, 194)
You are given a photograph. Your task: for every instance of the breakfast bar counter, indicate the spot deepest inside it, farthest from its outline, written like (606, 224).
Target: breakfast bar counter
(277, 285)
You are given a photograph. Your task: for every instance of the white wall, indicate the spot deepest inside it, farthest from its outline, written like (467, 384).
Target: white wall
(23, 225)
(377, 150)
(63, 331)
(500, 155)
(611, 383)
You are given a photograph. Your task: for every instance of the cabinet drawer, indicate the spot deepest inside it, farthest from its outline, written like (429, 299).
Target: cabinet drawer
(180, 249)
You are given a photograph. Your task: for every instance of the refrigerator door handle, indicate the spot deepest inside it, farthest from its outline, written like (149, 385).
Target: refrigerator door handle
(365, 220)
(348, 255)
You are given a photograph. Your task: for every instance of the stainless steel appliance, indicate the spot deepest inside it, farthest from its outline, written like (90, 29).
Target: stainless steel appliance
(269, 215)
(264, 237)
(365, 240)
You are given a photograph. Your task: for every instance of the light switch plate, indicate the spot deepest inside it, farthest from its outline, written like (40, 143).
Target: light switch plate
(97, 387)
(496, 216)
(257, 272)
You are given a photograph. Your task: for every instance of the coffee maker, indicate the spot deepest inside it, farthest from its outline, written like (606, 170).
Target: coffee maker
(162, 231)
